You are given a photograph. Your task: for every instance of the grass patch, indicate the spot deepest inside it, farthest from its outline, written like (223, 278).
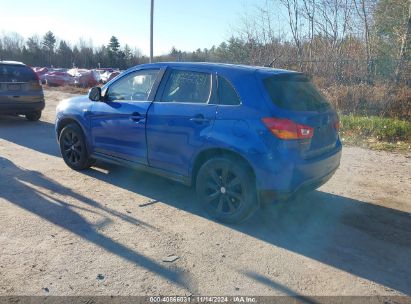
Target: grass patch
(377, 133)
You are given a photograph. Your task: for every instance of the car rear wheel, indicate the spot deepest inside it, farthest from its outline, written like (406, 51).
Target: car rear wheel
(33, 116)
(226, 190)
(73, 148)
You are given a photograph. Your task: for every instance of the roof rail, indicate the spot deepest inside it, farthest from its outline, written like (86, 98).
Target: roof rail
(11, 62)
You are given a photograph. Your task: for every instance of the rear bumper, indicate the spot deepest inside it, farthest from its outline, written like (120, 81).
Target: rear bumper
(21, 107)
(292, 177)
(268, 196)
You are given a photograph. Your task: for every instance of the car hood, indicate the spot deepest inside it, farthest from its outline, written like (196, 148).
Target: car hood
(74, 105)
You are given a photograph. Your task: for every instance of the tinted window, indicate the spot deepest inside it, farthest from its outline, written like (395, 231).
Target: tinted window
(186, 86)
(294, 92)
(16, 73)
(134, 86)
(226, 92)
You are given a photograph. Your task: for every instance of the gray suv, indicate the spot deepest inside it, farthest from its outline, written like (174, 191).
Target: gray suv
(21, 92)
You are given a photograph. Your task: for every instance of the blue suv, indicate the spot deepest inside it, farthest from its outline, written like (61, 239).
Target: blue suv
(241, 135)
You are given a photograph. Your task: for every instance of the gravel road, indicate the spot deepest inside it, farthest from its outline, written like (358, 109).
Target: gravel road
(115, 231)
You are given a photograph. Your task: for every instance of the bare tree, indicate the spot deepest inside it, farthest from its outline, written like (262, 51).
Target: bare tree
(405, 45)
(363, 8)
(293, 9)
(309, 12)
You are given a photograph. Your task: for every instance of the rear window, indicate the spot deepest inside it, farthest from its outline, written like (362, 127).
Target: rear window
(226, 93)
(16, 73)
(295, 92)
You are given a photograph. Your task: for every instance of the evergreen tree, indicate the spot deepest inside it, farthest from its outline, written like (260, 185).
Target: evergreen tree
(65, 54)
(49, 43)
(128, 56)
(113, 51)
(33, 52)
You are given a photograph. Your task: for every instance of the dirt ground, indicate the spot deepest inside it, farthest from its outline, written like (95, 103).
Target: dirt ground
(109, 230)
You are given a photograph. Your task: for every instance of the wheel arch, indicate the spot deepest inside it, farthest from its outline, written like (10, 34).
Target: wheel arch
(207, 154)
(64, 122)
(69, 120)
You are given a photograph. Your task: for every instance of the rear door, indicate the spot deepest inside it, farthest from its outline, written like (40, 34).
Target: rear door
(180, 119)
(117, 125)
(19, 84)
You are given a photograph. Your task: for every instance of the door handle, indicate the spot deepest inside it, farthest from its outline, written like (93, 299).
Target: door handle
(137, 117)
(199, 119)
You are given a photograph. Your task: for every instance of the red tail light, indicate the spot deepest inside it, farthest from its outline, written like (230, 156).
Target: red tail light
(337, 125)
(35, 74)
(288, 129)
(36, 85)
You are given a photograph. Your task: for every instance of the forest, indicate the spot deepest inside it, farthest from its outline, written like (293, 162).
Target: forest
(357, 51)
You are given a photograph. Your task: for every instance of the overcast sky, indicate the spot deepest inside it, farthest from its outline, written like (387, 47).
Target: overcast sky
(185, 24)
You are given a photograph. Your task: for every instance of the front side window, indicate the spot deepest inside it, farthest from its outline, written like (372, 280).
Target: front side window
(135, 86)
(187, 86)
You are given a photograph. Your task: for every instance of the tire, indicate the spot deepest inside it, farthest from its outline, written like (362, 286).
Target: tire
(226, 190)
(33, 116)
(73, 148)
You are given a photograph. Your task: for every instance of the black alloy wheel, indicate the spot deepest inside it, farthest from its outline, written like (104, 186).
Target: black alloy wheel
(226, 190)
(73, 147)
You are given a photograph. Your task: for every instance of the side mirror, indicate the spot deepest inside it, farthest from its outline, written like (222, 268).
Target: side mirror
(95, 94)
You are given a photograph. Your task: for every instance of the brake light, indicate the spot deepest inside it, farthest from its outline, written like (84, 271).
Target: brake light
(288, 129)
(337, 125)
(37, 78)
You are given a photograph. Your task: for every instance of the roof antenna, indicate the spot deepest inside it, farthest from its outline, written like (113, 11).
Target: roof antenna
(272, 62)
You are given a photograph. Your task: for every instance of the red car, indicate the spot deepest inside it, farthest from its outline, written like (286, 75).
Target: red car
(86, 78)
(56, 79)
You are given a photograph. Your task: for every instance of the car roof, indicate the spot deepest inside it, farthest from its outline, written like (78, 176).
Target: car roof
(8, 62)
(218, 67)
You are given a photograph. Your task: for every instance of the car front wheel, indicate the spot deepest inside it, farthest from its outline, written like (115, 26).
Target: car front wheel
(73, 148)
(226, 190)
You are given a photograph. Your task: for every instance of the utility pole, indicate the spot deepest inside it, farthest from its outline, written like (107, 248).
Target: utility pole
(151, 30)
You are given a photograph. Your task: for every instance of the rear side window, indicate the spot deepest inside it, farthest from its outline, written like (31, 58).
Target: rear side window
(294, 92)
(226, 93)
(16, 73)
(187, 86)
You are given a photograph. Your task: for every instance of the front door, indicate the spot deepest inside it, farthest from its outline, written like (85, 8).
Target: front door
(118, 123)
